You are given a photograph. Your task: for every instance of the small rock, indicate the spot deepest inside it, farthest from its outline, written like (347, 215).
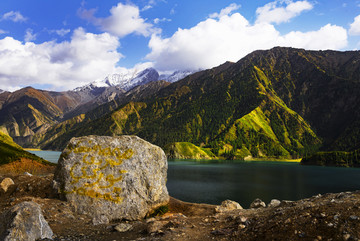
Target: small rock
(242, 219)
(274, 203)
(6, 183)
(156, 226)
(24, 222)
(227, 205)
(149, 220)
(242, 226)
(257, 203)
(319, 237)
(123, 227)
(353, 217)
(301, 234)
(346, 236)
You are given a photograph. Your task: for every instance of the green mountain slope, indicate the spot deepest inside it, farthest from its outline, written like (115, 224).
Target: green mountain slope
(234, 115)
(322, 86)
(282, 102)
(10, 151)
(334, 158)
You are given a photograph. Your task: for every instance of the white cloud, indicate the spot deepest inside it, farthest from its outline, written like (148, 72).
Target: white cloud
(29, 35)
(151, 4)
(327, 37)
(226, 11)
(281, 11)
(61, 32)
(124, 20)
(66, 65)
(229, 38)
(173, 9)
(355, 26)
(2, 31)
(159, 20)
(14, 16)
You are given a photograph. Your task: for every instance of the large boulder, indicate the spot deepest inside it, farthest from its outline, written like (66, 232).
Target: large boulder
(24, 222)
(111, 178)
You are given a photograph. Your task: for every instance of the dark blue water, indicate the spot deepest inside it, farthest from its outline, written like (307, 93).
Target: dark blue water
(244, 181)
(213, 182)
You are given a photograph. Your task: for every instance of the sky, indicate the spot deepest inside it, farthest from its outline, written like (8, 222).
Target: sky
(63, 44)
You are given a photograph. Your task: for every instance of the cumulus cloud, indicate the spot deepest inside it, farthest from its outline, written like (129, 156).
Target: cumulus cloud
(281, 11)
(327, 37)
(14, 16)
(123, 20)
(355, 26)
(231, 37)
(66, 65)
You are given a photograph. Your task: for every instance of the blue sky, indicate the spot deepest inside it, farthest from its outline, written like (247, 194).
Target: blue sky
(60, 45)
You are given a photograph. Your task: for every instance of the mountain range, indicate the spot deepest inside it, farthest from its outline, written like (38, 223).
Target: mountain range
(28, 111)
(282, 102)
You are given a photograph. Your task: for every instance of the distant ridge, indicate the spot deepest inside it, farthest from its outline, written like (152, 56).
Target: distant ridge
(129, 80)
(278, 103)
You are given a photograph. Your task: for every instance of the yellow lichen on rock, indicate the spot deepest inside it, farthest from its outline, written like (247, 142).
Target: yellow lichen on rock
(90, 172)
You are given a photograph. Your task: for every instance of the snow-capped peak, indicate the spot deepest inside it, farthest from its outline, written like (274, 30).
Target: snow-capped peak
(177, 75)
(130, 79)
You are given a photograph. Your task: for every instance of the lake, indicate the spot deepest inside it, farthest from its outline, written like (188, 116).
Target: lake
(215, 181)
(51, 156)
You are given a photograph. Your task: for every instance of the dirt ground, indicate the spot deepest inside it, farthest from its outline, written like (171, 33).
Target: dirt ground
(326, 217)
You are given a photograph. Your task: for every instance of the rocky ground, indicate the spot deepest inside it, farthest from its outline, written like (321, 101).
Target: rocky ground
(322, 217)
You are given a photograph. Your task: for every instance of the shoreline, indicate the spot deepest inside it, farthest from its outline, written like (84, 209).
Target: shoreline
(32, 149)
(274, 160)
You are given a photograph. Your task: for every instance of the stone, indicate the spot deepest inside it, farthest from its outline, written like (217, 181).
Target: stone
(257, 203)
(100, 219)
(112, 178)
(24, 222)
(242, 219)
(274, 203)
(123, 227)
(346, 236)
(353, 217)
(227, 205)
(242, 226)
(156, 226)
(6, 183)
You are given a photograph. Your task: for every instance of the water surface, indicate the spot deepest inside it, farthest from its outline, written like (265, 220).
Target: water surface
(215, 181)
(244, 181)
(51, 156)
